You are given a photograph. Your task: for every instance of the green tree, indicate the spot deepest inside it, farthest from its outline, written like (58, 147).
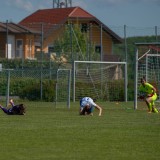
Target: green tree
(75, 45)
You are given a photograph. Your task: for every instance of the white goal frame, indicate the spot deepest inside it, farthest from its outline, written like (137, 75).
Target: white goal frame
(137, 58)
(100, 62)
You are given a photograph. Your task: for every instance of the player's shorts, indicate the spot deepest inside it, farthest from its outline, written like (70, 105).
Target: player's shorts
(154, 97)
(88, 111)
(9, 112)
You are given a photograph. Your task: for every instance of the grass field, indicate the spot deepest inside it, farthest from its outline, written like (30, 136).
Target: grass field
(49, 133)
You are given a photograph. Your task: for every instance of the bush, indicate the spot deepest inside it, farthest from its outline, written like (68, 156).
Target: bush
(33, 92)
(29, 88)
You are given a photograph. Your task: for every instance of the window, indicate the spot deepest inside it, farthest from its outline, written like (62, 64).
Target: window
(50, 49)
(84, 27)
(98, 49)
(19, 48)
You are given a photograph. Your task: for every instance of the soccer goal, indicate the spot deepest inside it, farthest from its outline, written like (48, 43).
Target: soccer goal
(106, 81)
(147, 64)
(63, 87)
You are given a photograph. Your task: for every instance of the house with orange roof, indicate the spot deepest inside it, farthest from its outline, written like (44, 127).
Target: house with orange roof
(51, 22)
(16, 41)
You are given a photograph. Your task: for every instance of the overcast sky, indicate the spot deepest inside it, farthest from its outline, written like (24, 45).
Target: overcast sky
(139, 13)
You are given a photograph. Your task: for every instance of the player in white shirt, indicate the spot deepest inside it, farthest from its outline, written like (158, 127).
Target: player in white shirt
(87, 106)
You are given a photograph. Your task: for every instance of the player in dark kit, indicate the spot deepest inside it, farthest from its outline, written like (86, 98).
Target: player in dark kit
(15, 109)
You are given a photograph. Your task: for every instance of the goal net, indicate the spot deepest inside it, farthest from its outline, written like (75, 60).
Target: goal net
(148, 66)
(105, 81)
(63, 87)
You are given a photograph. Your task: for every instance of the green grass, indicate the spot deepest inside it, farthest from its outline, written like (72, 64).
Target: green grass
(49, 133)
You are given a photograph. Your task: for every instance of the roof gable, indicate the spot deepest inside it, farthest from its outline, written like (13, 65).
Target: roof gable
(81, 13)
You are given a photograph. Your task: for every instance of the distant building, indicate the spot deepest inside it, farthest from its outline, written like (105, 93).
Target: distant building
(53, 21)
(16, 41)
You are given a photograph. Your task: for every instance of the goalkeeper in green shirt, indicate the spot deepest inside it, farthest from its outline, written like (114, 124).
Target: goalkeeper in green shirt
(148, 93)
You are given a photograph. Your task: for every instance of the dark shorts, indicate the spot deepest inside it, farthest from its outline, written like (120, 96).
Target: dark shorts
(86, 111)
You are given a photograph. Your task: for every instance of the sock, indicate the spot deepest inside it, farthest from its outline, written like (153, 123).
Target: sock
(4, 109)
(155, 110)
(150, 107)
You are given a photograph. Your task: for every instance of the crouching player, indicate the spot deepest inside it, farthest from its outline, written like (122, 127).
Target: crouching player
(87, 106)
(148, 93)
(15, 109)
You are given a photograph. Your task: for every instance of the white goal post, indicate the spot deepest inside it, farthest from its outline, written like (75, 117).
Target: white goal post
(63, 86)
(147, 64)
(105, 81)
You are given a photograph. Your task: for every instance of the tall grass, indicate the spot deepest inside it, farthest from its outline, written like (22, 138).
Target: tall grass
(49, 133)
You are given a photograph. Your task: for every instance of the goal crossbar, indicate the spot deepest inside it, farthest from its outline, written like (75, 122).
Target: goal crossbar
(147, 43)
(153, 55)
(99, 62)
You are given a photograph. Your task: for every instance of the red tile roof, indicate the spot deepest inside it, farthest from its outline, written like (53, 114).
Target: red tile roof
(15, 28)
(56, 15)
(53, 16)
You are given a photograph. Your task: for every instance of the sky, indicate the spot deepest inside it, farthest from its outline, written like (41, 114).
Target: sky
(136, 13)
